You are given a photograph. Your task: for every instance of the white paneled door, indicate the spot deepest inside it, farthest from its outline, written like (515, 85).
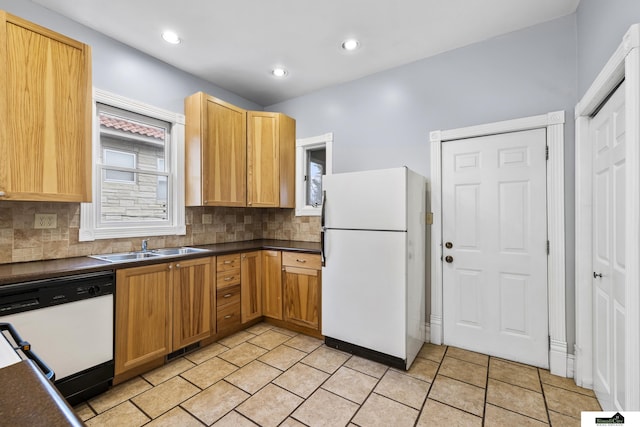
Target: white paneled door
(607, 135)
(494, 237)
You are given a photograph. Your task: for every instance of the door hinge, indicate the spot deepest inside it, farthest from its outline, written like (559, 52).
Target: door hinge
(546, 152)
(549, 341)
(305, 177)
(548, 248)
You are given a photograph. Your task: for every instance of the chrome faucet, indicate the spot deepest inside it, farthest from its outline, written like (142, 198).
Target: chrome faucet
(144, 245)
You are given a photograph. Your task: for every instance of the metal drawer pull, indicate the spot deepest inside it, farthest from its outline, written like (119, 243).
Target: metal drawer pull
(226, 279)
(227, 296)
(228, 262)
(301, 260)
(228, 316)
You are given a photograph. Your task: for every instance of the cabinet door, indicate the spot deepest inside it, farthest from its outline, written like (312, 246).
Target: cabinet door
(45, 114)
(263, 145)
(272, 284)
(250, 286)
(143, 315)
(192, 301)
(302, 296)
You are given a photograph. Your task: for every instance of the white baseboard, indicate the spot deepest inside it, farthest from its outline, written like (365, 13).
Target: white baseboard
(571, 359)
(435, 329)
(558, 358)
(427, 332)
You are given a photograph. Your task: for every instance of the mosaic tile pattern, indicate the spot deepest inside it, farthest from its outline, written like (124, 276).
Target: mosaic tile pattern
(267, 376)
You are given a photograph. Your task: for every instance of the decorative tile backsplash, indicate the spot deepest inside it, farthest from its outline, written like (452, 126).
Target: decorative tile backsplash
(20, 241)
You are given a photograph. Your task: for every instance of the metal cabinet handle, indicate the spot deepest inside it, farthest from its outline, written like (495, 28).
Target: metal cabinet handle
(177, 265)
(301, 260)
(595, 276)
(227, 296)
(228, 316)
(228, 262)
(226, 279)
(2, 194)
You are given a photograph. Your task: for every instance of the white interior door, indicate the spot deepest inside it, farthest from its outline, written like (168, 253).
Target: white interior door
(494, 220)
(607, 135)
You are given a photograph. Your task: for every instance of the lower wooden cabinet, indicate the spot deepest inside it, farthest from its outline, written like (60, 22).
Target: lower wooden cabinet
(272, 284)
(228, 292)
(192, 301)
(302, 287)
(250, 285)
(161, 308)
(143, 315)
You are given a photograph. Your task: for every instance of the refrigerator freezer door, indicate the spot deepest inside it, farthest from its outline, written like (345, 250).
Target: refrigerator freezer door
(364, 289)
(371, 200)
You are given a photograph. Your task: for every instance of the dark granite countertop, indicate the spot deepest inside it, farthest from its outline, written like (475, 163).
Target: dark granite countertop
(36, 270)
(27, 398)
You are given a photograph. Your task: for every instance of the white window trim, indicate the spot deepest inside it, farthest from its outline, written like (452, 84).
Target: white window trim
(302, 146)
(88, 221)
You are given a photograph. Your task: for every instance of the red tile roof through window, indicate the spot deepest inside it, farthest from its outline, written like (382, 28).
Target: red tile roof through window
(132, 127)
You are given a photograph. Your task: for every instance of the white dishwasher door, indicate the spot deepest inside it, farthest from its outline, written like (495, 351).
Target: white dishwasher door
(69, 337)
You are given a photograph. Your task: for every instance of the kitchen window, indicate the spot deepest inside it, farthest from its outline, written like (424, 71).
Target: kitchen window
(138, 171)
(313, 160)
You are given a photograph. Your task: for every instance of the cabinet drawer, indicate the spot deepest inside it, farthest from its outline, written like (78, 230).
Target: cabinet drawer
(228, 278)
(228, 296)
(228, 316)
(228, 262)
(297, 259)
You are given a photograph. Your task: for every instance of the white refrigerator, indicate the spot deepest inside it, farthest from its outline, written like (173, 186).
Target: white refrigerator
(373, 274)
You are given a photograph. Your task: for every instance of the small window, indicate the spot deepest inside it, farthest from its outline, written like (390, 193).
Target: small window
(313, 160)
(138, 171)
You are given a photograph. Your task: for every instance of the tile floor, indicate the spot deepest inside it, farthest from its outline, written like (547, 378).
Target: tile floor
(269, 376)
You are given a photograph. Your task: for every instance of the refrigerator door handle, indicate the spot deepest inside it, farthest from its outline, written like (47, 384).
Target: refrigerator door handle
(324, 203)
(322, 257)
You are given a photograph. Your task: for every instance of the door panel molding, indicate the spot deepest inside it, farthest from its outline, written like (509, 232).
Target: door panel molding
(623, 64)
(554, 124)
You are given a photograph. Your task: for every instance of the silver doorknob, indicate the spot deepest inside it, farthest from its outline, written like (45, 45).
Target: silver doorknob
(448, 245)
(595, 276)
(448, 258)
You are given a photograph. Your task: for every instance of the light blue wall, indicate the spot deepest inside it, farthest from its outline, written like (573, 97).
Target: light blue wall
(384, 120)
(601, 26)
(123, 70)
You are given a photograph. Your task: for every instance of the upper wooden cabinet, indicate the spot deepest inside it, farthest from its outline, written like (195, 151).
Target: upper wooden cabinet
(271, 146)
(216, 152)
(45, 114)
(236, 157)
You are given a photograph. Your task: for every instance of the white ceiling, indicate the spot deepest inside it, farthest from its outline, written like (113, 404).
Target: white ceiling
(235, 43)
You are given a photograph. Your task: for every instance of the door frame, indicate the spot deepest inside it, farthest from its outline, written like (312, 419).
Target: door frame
(554, 124)
(623, 64)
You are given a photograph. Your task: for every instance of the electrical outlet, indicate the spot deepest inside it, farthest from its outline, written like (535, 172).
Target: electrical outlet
(46, 221)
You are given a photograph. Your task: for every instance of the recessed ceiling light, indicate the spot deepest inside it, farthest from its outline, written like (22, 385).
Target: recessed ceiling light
(171, 37)
(279, 72)
(350, 44)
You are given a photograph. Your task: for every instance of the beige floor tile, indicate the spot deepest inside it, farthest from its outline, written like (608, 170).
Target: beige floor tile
(515, 373)
(236, 339)
(566, 383)
(175, 417)
(567, 402)
(270, 406)
(350, 384)
(125, 414)
(432, 352)
(403, 388)
(269, 340)
(285, 331)
(84, 411)
(499, 417)
(301, 379)
(242, 354)
(423, 369)
(206, 353)
(118, 394)
(464, 371)
(326, 359)
(517, 399)
(469, 356)
(304, 343)
(458, 394)
(213, 403)
(282, 357)
(165, 396)
(253, 377)
(168, 371)
(325, 409)
(259, 328)
(560, 420)
(434, 413)
(366, 366)
(380, 411)
(209, 372)
(234, 419)
(290, 422)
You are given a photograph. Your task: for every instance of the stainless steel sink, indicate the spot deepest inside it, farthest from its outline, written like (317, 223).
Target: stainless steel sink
(177, 251)
(139, 256)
